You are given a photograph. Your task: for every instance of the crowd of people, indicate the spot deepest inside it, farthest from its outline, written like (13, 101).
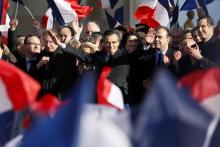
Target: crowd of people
(57, 58)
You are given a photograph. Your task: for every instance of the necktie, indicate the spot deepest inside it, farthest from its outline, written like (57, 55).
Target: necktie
(159, 58)
(109, 60)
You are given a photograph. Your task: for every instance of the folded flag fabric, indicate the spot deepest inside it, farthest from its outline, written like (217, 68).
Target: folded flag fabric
(17, 89)
(152, 13)
(169, 117)
(107, 92)
(204, 87)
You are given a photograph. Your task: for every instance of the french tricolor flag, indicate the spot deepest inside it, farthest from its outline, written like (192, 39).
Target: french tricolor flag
(4, 18)
(108, 93)
(17, 89)
(204, 86)
(152, 13)
(64, 11)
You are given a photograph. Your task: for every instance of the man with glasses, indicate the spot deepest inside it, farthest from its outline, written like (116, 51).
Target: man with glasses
(32, 49)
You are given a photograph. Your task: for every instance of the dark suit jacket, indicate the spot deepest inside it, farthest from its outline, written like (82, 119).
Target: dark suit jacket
(120, 64)
(210, 52)
(58, 75)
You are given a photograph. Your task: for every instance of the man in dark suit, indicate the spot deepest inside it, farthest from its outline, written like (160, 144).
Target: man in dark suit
(143, 69)
(32, 49)
(111, 56)
(57, 70)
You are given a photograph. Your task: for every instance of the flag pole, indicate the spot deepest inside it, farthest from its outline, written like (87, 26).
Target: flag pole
(82, 2)
(29, 12)
(16, 10)
(197, 4)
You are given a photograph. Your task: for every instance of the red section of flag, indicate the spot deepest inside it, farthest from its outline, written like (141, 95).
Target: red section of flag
(4, 39)
(203, 84)
(104, 87)
(4, 11)
(27, 120)
(146, 16)
(21, 88)
(48, 104)
(44, 21)
(109, 94)
(81, 11)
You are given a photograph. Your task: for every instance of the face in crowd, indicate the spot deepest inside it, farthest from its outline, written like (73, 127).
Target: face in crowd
(131, 43)
(112, 42)
(65, 35)
(177, 36)
(90, 28)
(32, 46)
(205, 29)
(49, 45)
(162, 39)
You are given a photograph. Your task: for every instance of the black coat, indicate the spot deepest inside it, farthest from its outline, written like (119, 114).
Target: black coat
(120, 63)
(59, 74)
(211, 53)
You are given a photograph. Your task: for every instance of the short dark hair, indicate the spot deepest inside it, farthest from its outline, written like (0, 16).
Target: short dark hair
(29, 36)
(164, 28)
(210, 21)
(112, 32)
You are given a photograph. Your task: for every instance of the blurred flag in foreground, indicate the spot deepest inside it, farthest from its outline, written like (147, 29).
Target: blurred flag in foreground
(17, 89)
(204, 87)
(62, 130)
(108, 93)
(170, 118)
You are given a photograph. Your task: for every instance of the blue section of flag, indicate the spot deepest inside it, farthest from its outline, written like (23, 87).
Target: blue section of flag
(113, 3)
(6, 123)
(111, 21)
(164, 3)
(62, 130)
(169, 117)
(119, 15)
(56, 13)
(191, 4)
(1, 9)
(174, 21)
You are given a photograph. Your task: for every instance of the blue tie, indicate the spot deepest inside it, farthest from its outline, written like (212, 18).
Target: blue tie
(159, 58)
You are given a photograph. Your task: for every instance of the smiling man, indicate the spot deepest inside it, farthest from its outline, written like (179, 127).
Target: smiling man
(209, 55)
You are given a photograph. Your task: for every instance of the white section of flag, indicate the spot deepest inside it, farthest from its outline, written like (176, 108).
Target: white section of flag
(49, 20)
(66, 11)
(115, 97)
(5, 103)
(105, 4)
(161, 15)
(4, 28)
(150, 3)
(212, 104)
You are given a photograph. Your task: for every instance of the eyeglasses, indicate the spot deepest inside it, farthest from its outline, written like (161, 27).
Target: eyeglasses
(194, 46)
(37, 44)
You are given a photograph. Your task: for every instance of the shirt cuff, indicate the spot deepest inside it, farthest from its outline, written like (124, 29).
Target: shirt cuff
(63, 45)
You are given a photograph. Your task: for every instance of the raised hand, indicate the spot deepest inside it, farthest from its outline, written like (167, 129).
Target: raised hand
(76, 26)
(54, 38)
(13, 24)
(177, 56)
